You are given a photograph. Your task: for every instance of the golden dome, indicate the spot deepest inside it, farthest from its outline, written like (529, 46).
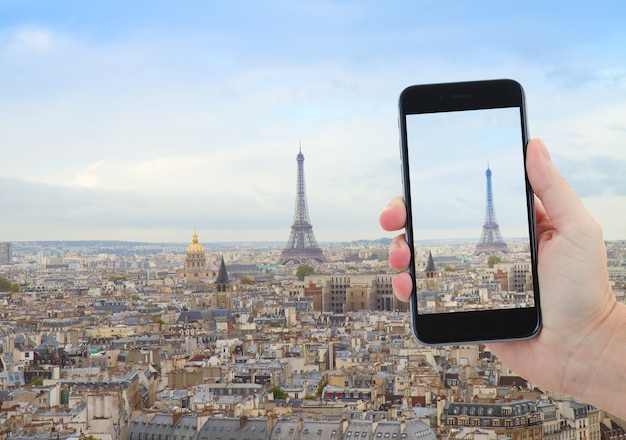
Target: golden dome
(195, 247)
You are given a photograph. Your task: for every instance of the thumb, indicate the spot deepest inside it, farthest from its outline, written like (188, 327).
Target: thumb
(562, 204)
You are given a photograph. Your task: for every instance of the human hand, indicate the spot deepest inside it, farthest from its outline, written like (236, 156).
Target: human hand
(582, 322)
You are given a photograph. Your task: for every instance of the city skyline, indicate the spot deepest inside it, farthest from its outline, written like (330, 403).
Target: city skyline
(136, 123)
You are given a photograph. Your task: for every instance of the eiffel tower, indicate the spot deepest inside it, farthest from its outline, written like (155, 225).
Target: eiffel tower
(491, 242)
(302, 247)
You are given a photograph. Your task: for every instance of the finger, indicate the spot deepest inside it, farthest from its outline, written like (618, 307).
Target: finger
(393, 217)
(399, 253)
(402, 286)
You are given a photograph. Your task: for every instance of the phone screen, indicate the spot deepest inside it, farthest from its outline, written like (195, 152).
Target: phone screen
(469, 211)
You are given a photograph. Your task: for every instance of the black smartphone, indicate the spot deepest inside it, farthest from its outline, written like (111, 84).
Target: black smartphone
(470, 212)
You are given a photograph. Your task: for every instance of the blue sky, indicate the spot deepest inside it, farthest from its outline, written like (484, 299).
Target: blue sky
(142, 120)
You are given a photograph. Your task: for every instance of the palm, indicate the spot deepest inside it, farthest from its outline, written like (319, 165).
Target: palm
(570, 272)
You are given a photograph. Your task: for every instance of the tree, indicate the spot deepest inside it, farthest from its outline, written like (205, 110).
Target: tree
(5, 285)
(304, 270)
(246, 280)
(157, 320)
(36, 381)
(320, 388)
(494, 259)
(278, 392)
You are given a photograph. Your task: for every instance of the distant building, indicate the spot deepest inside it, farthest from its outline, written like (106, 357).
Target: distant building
(190, 426)
(195, 271)
(515, 420)
(351, 293)
(430, 281)
(6, 253)
(223, 289)
(583, 418)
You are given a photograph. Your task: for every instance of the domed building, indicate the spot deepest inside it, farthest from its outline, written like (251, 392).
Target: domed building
(196, 271)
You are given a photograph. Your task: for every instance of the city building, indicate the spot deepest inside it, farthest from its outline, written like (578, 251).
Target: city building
(195, 270)
(222, 289)
(114, 345)
(515, 420)
(6, 255)
(351, 293)
(148, 426)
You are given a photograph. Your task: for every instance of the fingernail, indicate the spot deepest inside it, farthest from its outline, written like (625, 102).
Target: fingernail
(544, 150)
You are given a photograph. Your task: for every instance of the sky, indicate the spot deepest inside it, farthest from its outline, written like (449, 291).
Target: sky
(143, 120)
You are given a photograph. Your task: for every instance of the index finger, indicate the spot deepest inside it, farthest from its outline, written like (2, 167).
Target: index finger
(393, 217)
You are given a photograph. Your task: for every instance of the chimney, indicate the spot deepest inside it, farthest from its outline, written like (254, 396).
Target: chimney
(300, 424)
(344, 423)
(242, 421)
(271, 422)
(374, 427)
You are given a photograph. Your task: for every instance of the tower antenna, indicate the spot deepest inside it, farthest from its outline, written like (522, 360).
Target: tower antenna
(301, 247)
(491, 242)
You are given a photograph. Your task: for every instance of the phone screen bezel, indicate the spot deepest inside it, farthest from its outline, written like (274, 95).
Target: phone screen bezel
(471, 326)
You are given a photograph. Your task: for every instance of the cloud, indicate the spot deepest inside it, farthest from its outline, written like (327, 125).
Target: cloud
(29, 40)
(607, 208)
(41, 211)
(595, 175)
(154, 121)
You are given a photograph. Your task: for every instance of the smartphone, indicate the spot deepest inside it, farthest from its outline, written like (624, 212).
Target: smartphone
(470, 212)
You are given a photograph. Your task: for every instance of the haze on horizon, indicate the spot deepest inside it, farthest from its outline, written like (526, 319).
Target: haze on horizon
(140, 121)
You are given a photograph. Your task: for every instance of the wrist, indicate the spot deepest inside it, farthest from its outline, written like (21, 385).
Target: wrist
(596, 366)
